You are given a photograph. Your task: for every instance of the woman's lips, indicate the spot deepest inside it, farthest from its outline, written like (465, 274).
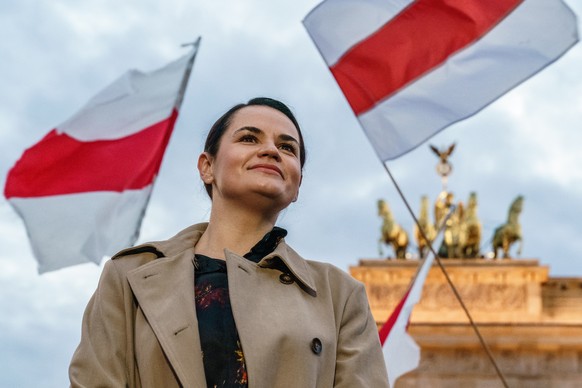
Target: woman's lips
(268, 168)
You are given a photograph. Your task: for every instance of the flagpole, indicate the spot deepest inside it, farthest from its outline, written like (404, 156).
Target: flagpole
(195, 45)
(449, 281)
(177, 105)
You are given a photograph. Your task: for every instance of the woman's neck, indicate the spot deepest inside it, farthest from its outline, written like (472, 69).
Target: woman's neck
(234, 228)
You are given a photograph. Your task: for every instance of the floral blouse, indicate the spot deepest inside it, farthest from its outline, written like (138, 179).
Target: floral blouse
(224, 362)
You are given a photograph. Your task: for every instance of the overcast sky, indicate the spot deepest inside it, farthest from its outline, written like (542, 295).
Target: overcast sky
(57, 54)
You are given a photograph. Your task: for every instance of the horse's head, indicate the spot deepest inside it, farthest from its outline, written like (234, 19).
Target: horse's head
(424, 202)
(517, 205)
(384, 209)
(424, 207)
(472, 202)
(381, 206)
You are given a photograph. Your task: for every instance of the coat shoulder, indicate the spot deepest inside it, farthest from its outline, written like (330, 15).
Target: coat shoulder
(139, 255)
(131, 258)
(332, 272)
(337, 281)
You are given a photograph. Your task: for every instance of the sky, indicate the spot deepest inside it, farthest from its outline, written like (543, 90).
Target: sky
(57, 54)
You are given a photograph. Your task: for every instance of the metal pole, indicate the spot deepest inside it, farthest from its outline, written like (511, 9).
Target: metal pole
(453, 288)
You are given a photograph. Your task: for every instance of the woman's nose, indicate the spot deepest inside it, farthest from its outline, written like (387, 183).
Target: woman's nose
(270, 150)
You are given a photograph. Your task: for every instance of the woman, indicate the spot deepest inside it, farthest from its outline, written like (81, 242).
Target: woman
(229, 303)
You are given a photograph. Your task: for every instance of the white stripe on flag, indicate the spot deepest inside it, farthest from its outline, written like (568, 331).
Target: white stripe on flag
(523, 42)
(71, 229)
(131, 103)
(336, 26)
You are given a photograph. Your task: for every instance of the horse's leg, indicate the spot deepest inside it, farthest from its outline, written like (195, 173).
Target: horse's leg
(399, 250)
(497, 241)
(505, 245)
(380, 251)
(396, 249)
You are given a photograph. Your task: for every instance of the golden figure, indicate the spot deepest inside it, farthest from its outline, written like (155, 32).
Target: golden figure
(510, 232)
(453, 236)
(392, 233)
(441, 208)
(444, 168)
(471, 228)
(427, 227)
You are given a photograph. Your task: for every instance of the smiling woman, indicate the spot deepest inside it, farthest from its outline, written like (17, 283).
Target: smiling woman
(228, 303)
(257, 159)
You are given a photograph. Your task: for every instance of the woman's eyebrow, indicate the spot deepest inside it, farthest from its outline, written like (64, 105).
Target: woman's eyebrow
(254, 130)
(259, 131)
(286, 137)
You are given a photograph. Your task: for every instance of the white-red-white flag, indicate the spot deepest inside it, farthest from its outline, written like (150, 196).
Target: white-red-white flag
(410, 68)
(401, 352)
(83, 189)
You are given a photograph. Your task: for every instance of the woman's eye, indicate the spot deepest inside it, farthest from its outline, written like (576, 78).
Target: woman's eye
(288, 147)
(248, 139)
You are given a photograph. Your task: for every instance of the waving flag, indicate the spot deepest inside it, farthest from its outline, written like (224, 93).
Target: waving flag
(83, 189)
(410, 68)
(401, 353)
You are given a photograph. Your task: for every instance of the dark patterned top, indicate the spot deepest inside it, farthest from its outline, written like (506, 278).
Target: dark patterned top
(224, 362)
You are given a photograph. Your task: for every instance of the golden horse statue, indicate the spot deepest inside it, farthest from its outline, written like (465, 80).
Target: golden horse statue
(510, 232)
(427, 227)
(392, 233)
(471, 229)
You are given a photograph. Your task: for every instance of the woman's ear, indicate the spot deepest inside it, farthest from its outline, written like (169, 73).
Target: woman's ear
(205, 168)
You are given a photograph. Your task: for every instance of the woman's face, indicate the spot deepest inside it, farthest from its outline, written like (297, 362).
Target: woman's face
(257, 161)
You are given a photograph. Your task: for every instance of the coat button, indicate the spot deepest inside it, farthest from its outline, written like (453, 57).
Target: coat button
(285, 278)
(316, 346)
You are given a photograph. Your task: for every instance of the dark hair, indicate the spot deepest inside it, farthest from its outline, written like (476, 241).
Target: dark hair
(220, 126)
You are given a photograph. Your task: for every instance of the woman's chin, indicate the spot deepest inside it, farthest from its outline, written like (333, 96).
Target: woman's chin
(271, 198)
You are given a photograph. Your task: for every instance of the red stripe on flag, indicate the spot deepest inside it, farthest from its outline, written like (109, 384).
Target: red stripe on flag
(417, 40)
(60, 164)
(387, 327)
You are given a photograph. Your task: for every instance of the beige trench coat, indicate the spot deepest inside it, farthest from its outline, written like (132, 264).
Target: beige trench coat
(140, 329)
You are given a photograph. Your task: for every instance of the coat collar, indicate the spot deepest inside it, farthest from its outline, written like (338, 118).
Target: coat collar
(190, 236)
(295, 263)
(185, 239)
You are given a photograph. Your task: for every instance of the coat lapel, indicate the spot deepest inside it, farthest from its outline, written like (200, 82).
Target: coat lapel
(294, 263)
(164, 289)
